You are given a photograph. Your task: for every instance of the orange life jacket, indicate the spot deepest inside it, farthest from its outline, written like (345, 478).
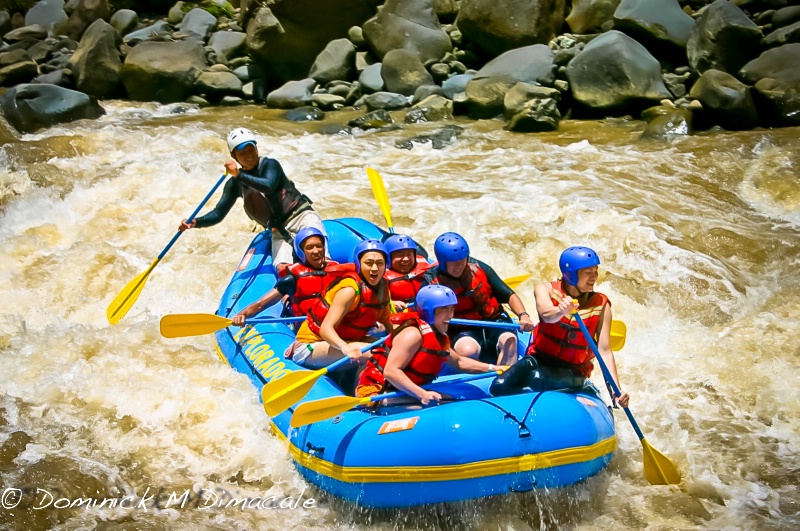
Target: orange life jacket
(355, 324)
(310, 285)
(564, 340)
(475, 299)
(405, 287)
(426, 364)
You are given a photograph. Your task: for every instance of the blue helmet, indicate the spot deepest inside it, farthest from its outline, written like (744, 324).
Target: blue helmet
(575, 258)
(365, 247)
(399, 242)
(450, 247)
(302, 235)
(434, 296)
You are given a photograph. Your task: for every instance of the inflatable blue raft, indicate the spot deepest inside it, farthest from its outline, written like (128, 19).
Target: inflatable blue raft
(402, 455)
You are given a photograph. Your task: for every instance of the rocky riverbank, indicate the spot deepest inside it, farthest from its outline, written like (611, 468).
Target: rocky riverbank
(681, 65)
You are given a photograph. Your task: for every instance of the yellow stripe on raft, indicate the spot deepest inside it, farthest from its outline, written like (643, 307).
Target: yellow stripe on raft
(492, 467)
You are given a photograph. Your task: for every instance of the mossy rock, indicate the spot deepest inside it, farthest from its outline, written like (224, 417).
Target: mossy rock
(218, 8)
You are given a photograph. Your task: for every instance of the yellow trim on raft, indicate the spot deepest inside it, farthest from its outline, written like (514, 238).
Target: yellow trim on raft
(492, 467)
(222, 356)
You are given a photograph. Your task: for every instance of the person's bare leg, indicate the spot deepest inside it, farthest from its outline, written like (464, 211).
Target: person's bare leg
(507, 349)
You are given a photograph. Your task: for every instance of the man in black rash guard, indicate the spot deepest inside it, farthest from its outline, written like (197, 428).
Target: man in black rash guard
(270, 198)
(481, 295)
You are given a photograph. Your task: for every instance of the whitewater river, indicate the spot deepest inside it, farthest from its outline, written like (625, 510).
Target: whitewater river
(700, 245)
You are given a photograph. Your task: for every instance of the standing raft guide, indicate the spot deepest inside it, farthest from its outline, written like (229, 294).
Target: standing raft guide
(541, 435)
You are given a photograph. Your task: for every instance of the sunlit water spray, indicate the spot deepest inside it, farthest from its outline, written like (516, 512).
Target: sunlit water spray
(699, 245)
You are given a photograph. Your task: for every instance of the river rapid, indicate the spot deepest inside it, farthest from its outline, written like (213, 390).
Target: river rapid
(700, 245)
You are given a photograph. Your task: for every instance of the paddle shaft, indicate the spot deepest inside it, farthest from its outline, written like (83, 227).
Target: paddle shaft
(259, 320)
(485, 324)
(191, 218)
(468, 378)
(338, 363)
(606, 373)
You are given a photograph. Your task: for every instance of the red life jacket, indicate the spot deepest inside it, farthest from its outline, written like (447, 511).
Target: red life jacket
(355, 324)
(475, 299)
(564, 340)
(310, 285)
(426, 364)
(405, 287)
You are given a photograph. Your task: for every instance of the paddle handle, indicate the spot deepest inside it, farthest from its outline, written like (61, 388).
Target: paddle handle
(467, 378)
(606, 373)
(485, 324)
(191, 218)
(261, 320)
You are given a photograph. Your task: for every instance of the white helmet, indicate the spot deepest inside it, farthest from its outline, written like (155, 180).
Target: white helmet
(240, 136)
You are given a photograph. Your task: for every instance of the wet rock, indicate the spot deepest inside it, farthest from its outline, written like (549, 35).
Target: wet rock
(440, 139)
(588, 16)
(427, 90)
(402, 72)
(615, 72)
(198, 24)
(432, 109)
(18, 73)
(292, 94)
(14, 56)
(676, 84)
(46, 13)
(726, 100)
(497, 26)
(216, 85)
(658, 24)
(62, 78)
(356, 36)
(334, 62)
(670, 123)
(371, 80)
(304, 114)
(229, 44)
(783, 35)
(35, 32)
(12, 447)
(785, 17)
(334, 129)
(538, 115)
(124, 21)
(372, 120)
(328, 102)
(385, 100)
(30, 107)
(162, 71)
(176, 14)
(410, 25)
(84, 14)
(364, 60)
(157, 29)
(723, 38)
(456, 84)
(95, 64)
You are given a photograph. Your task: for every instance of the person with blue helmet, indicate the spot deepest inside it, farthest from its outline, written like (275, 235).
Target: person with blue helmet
(559, 354)
(303, 282)
(270, 197)
(405, 269)
(338, 323)
(417, 349)
(481, 295)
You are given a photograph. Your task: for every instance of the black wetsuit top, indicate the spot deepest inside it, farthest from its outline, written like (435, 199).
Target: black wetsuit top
(500, 289)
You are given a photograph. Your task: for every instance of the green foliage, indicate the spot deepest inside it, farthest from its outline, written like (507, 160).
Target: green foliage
(218, 8)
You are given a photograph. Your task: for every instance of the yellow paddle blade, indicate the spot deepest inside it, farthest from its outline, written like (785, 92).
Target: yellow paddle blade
(658, 469)
(319, 410)
(283, 393)
(513, 282)
(378, 190)
(127, 297)
(192, 324)
(618, 333)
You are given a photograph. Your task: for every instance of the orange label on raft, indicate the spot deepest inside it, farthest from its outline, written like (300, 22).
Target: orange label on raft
(398, 425)
(586, 402)
(245, 260)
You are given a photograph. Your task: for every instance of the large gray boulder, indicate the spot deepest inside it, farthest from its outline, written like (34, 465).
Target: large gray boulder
(371, 80)
(216, 85)
(96, 65)
(336, 61)
(292, 94)
(615, 72)
(30, 107)
(410, 25)
(723, 38)
(487, 89)
(775, 75)
(124, 21)
(656, 23)
(497, 26)
(47, 13)
(402, 72)
(229, 44)
(588, 16)
(84, 14)
(198, 24)
(162, 71)
(726, 100)
(285, 36)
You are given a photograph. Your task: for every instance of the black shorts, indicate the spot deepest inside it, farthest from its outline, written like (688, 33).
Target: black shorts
(487, 338)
